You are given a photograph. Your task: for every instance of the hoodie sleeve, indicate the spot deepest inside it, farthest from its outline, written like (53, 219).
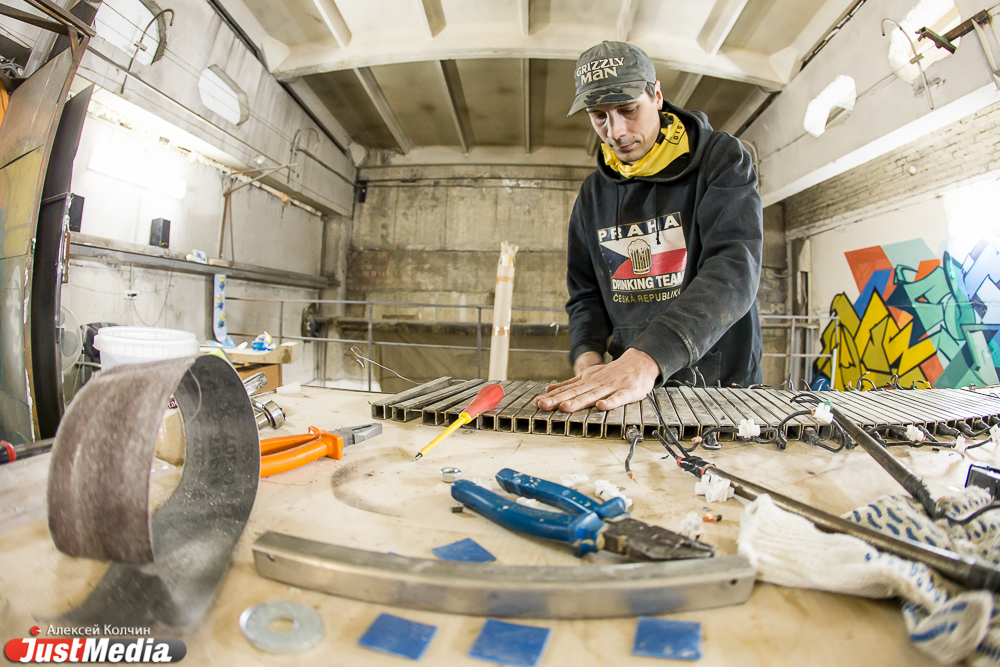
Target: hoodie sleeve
(589, 324)
(729, 220)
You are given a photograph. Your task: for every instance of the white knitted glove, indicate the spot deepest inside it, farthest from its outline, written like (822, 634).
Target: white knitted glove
(943, 621)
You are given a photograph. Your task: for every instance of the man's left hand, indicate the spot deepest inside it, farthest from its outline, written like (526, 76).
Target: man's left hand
(626, 380)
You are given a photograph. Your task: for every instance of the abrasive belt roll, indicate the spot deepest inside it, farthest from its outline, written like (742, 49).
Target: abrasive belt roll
(165, 566)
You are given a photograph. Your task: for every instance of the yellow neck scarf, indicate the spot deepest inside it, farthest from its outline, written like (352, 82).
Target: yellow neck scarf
(672, 145)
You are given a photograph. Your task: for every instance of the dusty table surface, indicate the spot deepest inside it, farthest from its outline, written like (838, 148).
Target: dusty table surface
(376, 498)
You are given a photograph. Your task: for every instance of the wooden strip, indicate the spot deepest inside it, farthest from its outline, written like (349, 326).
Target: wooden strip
(378, 407)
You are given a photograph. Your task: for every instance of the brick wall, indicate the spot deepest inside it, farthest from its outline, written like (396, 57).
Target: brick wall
(958, 152)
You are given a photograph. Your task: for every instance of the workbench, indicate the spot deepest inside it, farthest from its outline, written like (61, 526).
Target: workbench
(377, 498)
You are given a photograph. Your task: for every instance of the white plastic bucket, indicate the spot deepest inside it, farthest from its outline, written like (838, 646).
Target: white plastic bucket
(136, 345)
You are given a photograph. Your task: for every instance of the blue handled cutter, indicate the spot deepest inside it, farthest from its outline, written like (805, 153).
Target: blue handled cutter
(584, 524)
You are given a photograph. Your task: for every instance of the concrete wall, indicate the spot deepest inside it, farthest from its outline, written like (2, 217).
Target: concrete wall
(903, 249)
(432, 235)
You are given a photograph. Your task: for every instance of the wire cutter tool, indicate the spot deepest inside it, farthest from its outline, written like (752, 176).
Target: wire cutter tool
(584, 524)
(292, 451)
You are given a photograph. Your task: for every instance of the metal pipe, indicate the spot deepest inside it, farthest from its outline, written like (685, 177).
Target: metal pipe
(964, 571)
(915, 60)
(906, 477)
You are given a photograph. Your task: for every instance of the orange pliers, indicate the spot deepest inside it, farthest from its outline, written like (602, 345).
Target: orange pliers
(292, 451)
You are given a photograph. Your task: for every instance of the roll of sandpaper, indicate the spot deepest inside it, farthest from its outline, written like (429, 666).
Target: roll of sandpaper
(500, 343)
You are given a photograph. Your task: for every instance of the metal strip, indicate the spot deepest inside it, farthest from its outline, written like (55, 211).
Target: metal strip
(379, 406)
(411, 409)
(690, 427)
(505, 418)
(576, 423)
(541, 421)
(667, 408)
(721, 418)
(650, 424)
(793, 429)
(705, 417)
(434, 414)
(488, 420)
(522, 419)
(512, 591)
(614, 428)
(735, 412)
(594, 426)
(633, 416)
(559, 424)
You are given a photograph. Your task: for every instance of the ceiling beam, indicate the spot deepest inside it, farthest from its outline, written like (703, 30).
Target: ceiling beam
(742, 114)
(433, 15)
(684, 88)
(381, 104)
(526, 98)
(720, 23)
(524, 17)
(626, 17)
(334, 21)
(676, 53)
(320, 111)
(453, 83)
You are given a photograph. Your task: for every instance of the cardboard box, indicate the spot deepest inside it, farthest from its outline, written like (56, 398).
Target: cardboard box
(271, 371)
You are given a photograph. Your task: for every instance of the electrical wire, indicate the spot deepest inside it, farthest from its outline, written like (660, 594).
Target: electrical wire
(975, 515)
(360, 357)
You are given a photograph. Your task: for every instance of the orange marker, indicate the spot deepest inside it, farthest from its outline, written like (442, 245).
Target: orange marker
(487, 399)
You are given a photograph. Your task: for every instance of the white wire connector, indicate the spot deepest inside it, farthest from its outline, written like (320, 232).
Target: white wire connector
(486, 483)
(574, 480)
(995, 434)
(692, 526)
(915, 434)
(823, 414)
(748, 429)
(960, 444)
(715, 489)
(605, 490)
(527, 502)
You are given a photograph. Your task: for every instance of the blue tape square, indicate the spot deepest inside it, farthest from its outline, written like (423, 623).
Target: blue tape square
(510, 644)
(660, 638)
(398, 636)
(464, 550)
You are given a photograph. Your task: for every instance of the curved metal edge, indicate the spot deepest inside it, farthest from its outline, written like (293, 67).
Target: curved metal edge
(195, 530)
(515, 591)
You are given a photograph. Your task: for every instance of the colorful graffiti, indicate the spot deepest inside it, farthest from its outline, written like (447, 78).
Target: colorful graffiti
(918, 317)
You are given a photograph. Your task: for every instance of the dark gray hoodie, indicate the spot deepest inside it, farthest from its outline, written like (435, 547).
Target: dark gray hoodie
(670, 264)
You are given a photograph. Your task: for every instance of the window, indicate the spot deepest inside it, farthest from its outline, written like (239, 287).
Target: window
(938, 15)
(831, 107)
(221, 95)
(121, 23)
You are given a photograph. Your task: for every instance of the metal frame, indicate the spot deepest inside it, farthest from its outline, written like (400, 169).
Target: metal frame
(370, 342)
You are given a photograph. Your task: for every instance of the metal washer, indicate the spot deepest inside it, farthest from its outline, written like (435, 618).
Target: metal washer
(307, 626)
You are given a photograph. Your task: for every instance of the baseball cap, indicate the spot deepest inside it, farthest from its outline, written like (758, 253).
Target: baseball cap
(611, 73)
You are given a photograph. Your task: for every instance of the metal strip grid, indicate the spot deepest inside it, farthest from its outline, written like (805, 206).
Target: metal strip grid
(689, 410)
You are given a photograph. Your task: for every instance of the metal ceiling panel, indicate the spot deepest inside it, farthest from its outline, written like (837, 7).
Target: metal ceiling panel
(719, 98)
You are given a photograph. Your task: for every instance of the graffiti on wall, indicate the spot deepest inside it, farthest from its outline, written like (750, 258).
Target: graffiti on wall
(922, 318)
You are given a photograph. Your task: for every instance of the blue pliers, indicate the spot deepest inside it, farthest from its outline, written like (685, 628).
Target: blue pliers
(584, 523)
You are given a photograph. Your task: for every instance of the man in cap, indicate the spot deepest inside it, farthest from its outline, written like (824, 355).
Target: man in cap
(665, 244)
